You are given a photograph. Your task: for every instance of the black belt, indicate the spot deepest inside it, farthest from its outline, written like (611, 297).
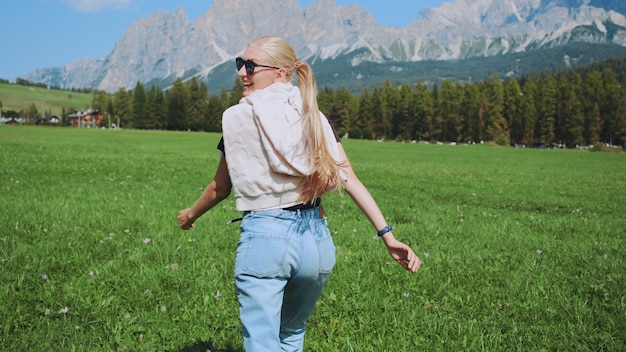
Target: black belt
(304, 206)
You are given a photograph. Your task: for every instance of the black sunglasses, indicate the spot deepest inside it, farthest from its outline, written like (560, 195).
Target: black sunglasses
(250, 65)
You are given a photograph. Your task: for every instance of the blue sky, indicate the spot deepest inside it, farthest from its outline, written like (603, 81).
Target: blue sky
(46, 33)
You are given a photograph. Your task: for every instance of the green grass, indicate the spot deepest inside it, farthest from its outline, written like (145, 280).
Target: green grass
(16, 97)
(523, 250)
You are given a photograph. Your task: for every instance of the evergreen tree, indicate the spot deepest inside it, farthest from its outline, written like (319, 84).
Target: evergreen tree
(326, 104)
(529, 112)
(425, 111)
(548, 111)
(409, 109)
(375, 124)
(224, 103)
(366, 115)
(473, 125)
(592, 91)
(99, 100)
(611, 104)
(621, 132)
(140, 110)
(236, 93)
(434, 121)
(176, 106)
(213, 117)
(349, 111)
(111, 117)
(123, 107)
(197, 106)
(216, 106)
(156, 118)
(390, 117)
(571, 120)
(513, 113)
(497, 128)
(449, 102)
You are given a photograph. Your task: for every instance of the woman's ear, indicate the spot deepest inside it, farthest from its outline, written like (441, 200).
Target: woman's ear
(281, 76)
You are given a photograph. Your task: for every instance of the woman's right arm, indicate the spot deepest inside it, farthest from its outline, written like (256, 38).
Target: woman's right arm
(218, 190)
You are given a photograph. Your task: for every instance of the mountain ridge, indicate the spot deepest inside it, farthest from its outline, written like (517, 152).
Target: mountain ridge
(165, 46)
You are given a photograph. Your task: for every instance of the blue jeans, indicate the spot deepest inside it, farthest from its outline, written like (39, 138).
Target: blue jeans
(283, 261)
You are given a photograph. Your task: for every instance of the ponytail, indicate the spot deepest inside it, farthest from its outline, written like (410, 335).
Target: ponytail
(326, 174)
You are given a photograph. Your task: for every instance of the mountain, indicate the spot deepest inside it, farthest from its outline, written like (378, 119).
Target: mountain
(348, 48)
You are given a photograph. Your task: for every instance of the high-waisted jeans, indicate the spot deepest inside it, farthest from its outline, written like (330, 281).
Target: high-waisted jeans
(283, 261)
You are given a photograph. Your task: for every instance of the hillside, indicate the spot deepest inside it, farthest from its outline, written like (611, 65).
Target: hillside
(16, 97)
(335, 74)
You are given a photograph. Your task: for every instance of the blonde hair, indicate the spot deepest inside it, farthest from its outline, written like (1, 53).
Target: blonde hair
(325, 176)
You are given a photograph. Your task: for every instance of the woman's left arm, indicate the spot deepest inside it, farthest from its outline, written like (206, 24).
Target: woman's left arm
(399, 251)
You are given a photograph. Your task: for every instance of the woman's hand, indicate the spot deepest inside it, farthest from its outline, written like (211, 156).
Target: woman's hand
(401, 253)
(184, 219)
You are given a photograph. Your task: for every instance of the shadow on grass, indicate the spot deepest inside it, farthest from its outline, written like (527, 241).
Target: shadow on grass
(204, 346)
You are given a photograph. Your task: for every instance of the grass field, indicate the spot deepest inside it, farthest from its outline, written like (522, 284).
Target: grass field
(16, 97)
(523, 249)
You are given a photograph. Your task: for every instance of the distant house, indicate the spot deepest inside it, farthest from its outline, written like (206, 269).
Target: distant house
(87, 118)
(48, 120)
(11, 121)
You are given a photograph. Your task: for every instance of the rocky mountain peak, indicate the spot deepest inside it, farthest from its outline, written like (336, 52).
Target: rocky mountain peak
(168, 45)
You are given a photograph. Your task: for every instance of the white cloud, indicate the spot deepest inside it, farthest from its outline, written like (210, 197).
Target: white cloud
(97, 5)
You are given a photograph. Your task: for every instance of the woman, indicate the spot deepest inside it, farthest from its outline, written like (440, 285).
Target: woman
(279, 156)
